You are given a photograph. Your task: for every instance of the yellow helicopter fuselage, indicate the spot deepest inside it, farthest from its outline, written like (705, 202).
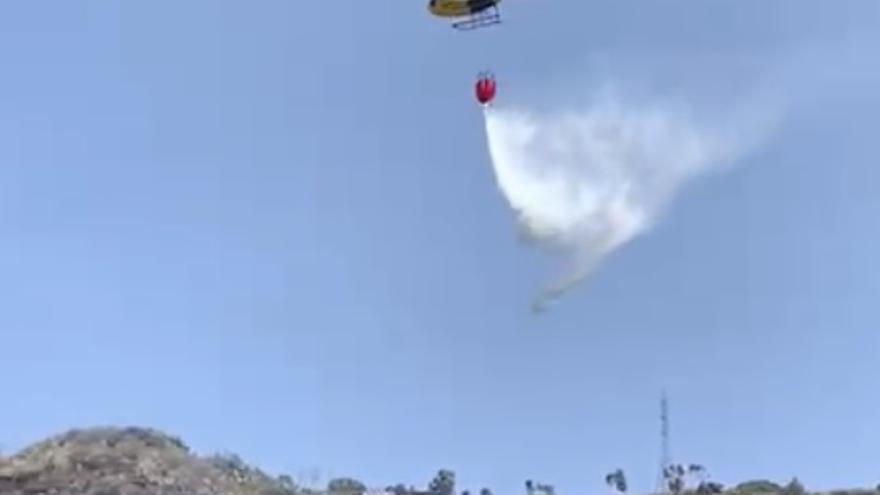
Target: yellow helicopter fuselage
(460, 8)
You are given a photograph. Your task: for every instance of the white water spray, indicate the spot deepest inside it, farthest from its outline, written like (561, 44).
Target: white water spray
(587, 182)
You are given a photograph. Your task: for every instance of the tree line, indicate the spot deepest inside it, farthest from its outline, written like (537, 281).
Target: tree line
(677, 479)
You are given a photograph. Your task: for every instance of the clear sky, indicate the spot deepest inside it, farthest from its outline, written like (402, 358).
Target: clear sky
(272, 228)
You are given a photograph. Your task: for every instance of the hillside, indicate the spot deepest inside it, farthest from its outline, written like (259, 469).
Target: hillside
(141, 461)
(128, 461)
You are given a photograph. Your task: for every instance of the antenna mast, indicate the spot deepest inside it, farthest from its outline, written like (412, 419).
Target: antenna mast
(665, 454)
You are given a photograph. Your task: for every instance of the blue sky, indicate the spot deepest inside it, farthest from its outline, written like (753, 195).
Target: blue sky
(272, 228)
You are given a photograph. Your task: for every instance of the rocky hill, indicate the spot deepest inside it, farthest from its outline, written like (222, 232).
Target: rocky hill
(129, 461)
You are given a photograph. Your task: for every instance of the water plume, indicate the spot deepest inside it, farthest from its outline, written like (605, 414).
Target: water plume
(584, 182)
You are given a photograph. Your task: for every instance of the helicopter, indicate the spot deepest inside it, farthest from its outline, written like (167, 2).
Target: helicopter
(474, 14)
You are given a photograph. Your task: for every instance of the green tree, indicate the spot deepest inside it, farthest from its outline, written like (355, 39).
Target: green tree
(758, 486)
(546, 489)
(709, 488)
(679, 477)
(345, 486)
(534, 488)
(617, 480)
(443, 483)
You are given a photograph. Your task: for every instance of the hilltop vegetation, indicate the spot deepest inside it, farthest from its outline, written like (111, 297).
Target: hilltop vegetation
(142, 461)
(129, 461)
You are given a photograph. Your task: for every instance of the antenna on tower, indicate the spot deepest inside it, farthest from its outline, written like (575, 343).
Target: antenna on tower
(662, 486)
